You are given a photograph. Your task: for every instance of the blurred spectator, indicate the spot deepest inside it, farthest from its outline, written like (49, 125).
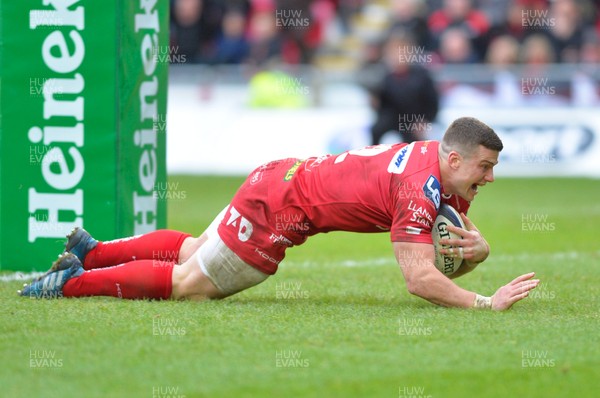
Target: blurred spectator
(186, 28)
(566, 30)
(302, 24)
(232, 46)
(347, 9)
(495, 10)
(537, 51)
(590, 48)
(584, 91)
(195, 25)
(372, 52)
(409, 15)
(502, 54)
(456, 48)
(265, 42)
(460, 14)
(537, 84)
(405, 100)
(515, 22)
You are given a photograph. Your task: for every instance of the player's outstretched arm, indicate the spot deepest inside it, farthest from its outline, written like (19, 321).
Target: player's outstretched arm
(416, 261)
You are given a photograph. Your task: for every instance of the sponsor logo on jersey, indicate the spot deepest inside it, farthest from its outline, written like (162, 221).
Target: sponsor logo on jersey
(266, 256)
(400, 159)
(432, 190)
(292, 170)
(280, 240)
(256, 177)
(420, 215)
(311, 163)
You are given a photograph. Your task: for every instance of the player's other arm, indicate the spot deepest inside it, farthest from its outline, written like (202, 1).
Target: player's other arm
(416, 261)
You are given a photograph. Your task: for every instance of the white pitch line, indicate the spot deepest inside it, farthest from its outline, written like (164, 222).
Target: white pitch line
(558, 256)
(20, 276)
(385, 261)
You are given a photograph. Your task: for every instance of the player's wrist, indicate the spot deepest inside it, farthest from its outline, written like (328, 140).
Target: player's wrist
(482, 302)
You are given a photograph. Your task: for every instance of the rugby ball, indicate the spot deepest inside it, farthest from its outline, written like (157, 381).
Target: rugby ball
(447, 264)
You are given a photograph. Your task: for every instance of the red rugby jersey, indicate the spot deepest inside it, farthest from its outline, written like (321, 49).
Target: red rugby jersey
(394, 188)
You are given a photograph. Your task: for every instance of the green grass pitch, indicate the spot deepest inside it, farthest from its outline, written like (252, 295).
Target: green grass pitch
(336, 320)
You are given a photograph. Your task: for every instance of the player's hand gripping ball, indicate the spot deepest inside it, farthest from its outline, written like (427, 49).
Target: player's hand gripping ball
(449, 263)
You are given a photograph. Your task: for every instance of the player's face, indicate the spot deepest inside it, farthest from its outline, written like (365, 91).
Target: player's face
(475, 171)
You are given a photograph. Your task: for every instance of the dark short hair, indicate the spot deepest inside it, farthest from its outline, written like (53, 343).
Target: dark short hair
(465, 134)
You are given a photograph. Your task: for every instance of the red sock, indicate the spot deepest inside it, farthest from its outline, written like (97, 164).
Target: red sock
(133, 280)
(162, 245)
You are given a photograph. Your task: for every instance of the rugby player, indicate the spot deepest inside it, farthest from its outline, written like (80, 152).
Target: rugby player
(394, 188)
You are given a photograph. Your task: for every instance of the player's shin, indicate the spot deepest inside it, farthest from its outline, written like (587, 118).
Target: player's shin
(159, 246)
(134, 280)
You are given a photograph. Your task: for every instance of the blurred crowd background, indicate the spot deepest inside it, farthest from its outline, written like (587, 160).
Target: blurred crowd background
(349, 33)
(410, 59)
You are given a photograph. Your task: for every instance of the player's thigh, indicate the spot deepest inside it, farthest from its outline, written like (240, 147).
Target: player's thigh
(225, 269)
(191, 245)
(214, 271)
(189, 282)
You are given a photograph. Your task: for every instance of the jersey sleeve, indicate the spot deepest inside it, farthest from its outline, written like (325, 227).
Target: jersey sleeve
(414, 211)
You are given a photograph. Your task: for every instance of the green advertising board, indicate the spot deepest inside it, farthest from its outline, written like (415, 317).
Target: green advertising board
(82, 123)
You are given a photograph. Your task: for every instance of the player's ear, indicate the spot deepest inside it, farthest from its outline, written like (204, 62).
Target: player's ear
(454, 160)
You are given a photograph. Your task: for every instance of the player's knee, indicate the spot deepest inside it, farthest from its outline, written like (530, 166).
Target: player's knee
(189, 282)
(189, 246)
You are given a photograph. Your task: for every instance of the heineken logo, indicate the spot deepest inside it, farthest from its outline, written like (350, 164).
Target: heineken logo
(55, 200)
(61, 167)
(145, 137)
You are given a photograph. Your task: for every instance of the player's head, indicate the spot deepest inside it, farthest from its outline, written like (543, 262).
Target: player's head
(468, 152)
(466, 134)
